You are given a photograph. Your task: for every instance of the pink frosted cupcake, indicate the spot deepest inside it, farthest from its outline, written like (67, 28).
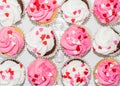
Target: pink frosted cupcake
(11, 41)
(107, 11)
(42, 72)
(42, 11)
(107, 72)
(75, 73)
(75, 41)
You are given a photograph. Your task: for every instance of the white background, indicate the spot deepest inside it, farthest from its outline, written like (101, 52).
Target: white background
(92, 25)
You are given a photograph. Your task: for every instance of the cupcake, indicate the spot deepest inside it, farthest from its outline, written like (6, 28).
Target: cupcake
(42, 72)
(42, 11)
(107, 11)
(11, 41)
(11, 12)
(75, 11)
(12, 73)
(75, 41)
(41, 41)
(75, 73)
(107, 72)
(106, 42)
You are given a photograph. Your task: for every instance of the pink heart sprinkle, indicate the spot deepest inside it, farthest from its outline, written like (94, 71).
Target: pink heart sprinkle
(41, 29)
(115, 42)
(35, 50)
(66, 16)
(79, 11)
(37, 33)
(109, 47)
(82, 65)
(8, 6)
(1, 7)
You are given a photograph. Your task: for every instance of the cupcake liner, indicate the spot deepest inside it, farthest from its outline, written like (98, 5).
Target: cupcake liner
(94, 71)
(72, 59)
(17, 62)
(79, 23)
(82, 56)
(53, 52)
(4, 55)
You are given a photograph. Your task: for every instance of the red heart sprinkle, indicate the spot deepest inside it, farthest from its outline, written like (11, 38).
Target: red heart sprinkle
(36, 76)
(99, 47)
(45, 42)
(83, 29)
(78, 48)
(9, 32)
(107, 20)
(4, 1)
(73, 20)
(6, 14)
(107, 4)
(85, 72)
(105, 15)
(52, 32)
(54, 2)
(32, 9)
(47, 37)
(43, 37)
(74, 12)
(111, 0)
(33, 80)
(21, 65)
(73, 69)
(114, 70)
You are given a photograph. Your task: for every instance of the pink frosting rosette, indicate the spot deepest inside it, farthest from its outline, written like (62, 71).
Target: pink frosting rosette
(107, 11)
(76, 41)
(107, 72)
(42, 72)
(41, 10)
(11, 41)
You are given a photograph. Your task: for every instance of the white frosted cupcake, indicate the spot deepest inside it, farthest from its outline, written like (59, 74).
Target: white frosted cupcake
(106, 42)
(75, 73)
(11, 12)
(12, 73)
(75, 11)
(41, 41)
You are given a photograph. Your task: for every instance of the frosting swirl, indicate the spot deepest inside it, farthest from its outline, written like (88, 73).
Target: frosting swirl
(10, 12)
(107, 11)
(42, 72)
(12, 73)
(106, 41)
(41, 10)
(75, 11)
(75, 73)
(107, 73)
(11, 41)
(75, 41)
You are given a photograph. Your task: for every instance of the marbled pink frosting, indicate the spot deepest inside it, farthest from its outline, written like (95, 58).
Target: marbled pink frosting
(41, 10)
(107, 11)
(11, 42)
(108, 73)
(41, 72)
(75, 41)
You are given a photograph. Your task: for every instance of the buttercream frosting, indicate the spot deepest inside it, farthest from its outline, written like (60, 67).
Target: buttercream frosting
(107, 73)
(11, 41)
(42, 72)
(40, 40)
(75, 11)
(41, 10)
(75, 41)
(10, 12)
(75, 73)
(107, 11)
(12, 73)
(106, 41)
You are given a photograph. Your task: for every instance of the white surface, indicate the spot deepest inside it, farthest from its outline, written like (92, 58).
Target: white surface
(92, 25)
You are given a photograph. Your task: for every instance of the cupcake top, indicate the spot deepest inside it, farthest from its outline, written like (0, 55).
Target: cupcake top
(106, 41)
(75, 11)
(75, 73)
(10, 12)
(75, 41)
(12, 73)
(11, 41)
(107, 72)
(41, 40)
(107, 11)
(42, 72)
(41, 10)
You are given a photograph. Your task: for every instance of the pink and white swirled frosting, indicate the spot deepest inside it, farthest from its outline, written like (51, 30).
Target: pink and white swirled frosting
(75, 41)
(107, 73)
(11, 42)
(41, 10)
(42, 72)
(107, 11)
